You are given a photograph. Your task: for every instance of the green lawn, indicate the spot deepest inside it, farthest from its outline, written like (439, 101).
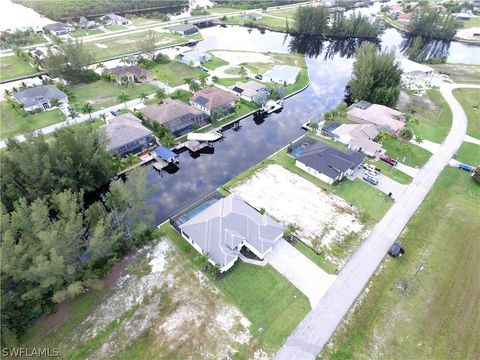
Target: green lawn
(115, 27)
(137, 21)
(460, 73)
(102, 93)
(392, 172)
(175, 72)
(473, 22)
(319, 259)
(406, 153)
(284, 13)
(222, 10)
(214, 62)
(14, 123)
(105, 48)
(266, 22)
(81, 32)
(432, 112)
(469, 154)
(267, 299)
(470, 101)
(12, 67)
(425, 304)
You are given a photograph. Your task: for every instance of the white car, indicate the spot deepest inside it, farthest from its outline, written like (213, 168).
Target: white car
(371, 173)
(370, 167)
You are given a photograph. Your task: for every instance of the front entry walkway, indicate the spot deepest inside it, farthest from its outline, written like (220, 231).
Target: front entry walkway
(303, 273)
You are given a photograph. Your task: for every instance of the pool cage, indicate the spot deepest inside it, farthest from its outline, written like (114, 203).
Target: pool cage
(296, 148)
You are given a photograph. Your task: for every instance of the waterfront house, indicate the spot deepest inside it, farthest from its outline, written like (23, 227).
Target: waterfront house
(133, 74)
(87, 24)
(250, 90)
(175, 115)
(226, 226)
(39, 97)
(255, 16)
(194, 57)
(127, 135)
(113, 19)
(282, 74)
(183, 29)
(413, 69)
(381, 116)
(359, 137)
(59, 28)
(328, 163)
(213, 100)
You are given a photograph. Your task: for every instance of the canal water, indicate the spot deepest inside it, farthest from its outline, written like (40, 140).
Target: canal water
(329, 66)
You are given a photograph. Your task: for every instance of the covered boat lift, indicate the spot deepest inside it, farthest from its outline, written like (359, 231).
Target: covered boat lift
(165, 154)
(208, 136)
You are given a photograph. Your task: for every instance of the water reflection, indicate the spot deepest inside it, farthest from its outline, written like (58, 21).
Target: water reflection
(420, 49)
(313, 46)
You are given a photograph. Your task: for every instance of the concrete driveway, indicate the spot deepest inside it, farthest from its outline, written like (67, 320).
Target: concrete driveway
(303, 273)
(385, 184)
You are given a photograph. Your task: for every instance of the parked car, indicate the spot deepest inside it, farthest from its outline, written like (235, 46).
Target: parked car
(371, 173)
(370, 167)
(259, 77)
(370, 179)
(115, 112)
(388, 160)
(396, 250)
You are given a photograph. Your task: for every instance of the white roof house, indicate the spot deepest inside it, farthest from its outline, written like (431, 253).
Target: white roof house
(282, 74)
(223, 228)
(194, 57)
(359, 137)
(249, 90)
(412, 68)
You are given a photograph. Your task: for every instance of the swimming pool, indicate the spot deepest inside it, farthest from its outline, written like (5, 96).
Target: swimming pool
(195, 211)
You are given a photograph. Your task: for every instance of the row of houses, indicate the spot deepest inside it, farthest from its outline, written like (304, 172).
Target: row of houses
(60, 28)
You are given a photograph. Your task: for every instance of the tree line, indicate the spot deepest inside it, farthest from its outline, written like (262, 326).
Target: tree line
(321, 21)
(430, 23)
(67, 9)
(56, 240)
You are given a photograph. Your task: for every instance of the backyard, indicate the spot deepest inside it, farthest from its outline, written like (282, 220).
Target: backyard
(81, 32)
(423, 305)
(469, 154)
(406, 153)
(268, 22)
(460, 73)
(12, 67)
(174, 73)
(470, 101)
(15, 123)
(102, 93)
(214, 62)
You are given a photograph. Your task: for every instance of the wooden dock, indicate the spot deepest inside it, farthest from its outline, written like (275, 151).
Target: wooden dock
(160, 164)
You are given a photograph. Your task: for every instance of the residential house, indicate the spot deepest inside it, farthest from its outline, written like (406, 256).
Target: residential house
(213, 100)
(183, 29)
(413, 69)
(127, 135)
(404, 18)
(133, 73)
(39, 97)
(59, 28)
(250, 90)
(38, 54)
(87, 24)
(113, 19)
(255, 16)
(175, 115)
(194, 57)
(327, 163)
(226, 226)
(359, 137)
(381, 116)
(282, 74)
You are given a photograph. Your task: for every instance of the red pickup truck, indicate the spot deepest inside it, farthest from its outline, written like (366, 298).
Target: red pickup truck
(388, 160)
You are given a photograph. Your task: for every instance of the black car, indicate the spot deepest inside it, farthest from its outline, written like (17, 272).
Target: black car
(396, 250)
(115, 112)
(259, 77)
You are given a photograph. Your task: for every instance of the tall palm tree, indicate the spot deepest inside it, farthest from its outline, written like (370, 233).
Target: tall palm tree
(55, 102)
(100, 65)
(160, 94)
(203, 79)
(243, 72)
(103, 116)
(418, 139)
(23, 85)
(383, 135)
(143, 97)
(124, 60)
(73, 114)
(123, 98)
(87, 109)
(7, 92)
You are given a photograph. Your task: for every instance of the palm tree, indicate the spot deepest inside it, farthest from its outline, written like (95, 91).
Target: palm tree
(55, 102)
(123, 98)
(7, 92)
(103, 116)
(12, 103)
(124, 60)
(405, 135)
(143, 97)
(100, 65)
(73, 114)
(383, 135)
(160, 94)
(243, 72)
(203, 79)
(87, 109)
(194, 86)
(188, 80)
(418, 139)
(313, 125)
(412, 121)
(23, 85)
(292, 230)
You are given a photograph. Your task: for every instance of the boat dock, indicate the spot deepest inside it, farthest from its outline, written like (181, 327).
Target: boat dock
(160, 164)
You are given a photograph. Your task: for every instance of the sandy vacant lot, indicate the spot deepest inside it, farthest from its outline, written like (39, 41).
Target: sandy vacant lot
(291, 199)
(240, 57)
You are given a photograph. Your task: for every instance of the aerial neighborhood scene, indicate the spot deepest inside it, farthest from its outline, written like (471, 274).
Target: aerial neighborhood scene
(240, 179)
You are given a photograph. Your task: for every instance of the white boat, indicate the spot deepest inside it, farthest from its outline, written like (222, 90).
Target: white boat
(272, 106)
(208, 136)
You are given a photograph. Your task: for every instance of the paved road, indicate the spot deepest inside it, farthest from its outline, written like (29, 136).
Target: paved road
(317, 327)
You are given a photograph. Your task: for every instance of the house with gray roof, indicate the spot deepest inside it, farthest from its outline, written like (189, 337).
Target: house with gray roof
(226, 226)
(194, 57)
(183, 29)
(250, 90)
(39, 97)
(125, 74)
(127, 135)
(87, 24)
(282, 74)
(327, 163)
(213, 100)
(114, 19)
(175, 115)
(59, 28)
